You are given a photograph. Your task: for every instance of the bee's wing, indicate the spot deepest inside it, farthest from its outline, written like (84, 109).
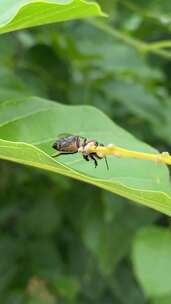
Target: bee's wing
(61, 135)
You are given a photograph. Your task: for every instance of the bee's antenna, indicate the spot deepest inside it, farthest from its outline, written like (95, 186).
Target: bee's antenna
(106, 163)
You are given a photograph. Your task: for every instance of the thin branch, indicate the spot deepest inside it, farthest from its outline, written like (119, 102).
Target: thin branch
(160, 44)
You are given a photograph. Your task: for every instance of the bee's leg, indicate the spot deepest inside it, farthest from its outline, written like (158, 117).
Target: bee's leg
(86, 157)
(105, 161)
(98, 157)
(104, 158)
(93, 158)
(63, 153)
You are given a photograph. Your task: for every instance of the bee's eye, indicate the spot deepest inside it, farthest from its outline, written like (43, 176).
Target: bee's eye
(59, 146)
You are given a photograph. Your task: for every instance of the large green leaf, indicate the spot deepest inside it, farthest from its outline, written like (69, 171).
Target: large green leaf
(29, 126)
(151, 258)
(15, 15)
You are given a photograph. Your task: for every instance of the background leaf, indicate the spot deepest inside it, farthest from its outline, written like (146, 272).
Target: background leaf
(26, 13)
(151, 256)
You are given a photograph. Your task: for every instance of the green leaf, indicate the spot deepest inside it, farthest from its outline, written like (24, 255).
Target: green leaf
(151, 258)
(162, 300)
(137, 99)
(29, 126)
(15, 15)
(109, 239)
(124, 281)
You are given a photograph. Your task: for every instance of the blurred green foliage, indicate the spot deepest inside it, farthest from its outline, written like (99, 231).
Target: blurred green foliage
(62, 241)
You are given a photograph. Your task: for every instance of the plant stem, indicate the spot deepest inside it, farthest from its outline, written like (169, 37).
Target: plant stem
(163, 157)
(159, 44)
(141, 46)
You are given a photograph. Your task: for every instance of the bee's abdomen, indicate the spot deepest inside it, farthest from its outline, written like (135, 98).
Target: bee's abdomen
(71, 147)
(69, 144)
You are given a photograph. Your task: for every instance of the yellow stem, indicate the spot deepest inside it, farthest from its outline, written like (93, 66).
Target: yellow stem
(163, 157)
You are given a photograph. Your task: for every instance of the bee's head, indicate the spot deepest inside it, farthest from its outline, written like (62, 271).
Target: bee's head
(57, 145)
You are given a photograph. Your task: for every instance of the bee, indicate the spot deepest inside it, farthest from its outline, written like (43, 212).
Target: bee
(72, 144)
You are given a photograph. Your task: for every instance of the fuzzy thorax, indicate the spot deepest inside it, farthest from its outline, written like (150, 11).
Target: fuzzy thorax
(91, 148)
